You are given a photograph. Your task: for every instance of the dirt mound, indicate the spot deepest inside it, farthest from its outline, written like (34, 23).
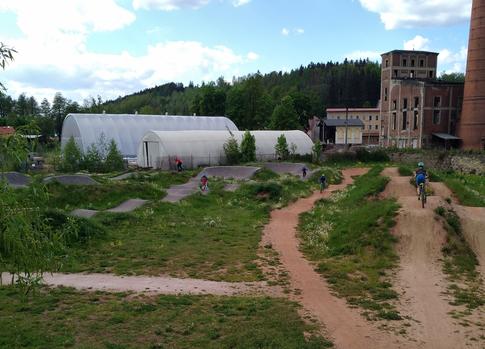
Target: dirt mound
(16, 180)
(72, 180)
(420, 279)
(228, 172)
(346, 327)
(286, 168)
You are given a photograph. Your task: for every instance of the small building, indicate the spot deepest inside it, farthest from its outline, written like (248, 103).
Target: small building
(160, 149)
(369, 116)
(6, 131)
(343, 131)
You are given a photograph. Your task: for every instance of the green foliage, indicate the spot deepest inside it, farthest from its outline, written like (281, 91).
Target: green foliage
(231, 149)
(348, 235)
(93, 160)
(265, 191)
(248, 147)
(114, 159)
(6, 55)
(469, 189)
(452, 77)
(379, 155)
(405, 171)
(316, 151)
(281, 148)
(284, 116)
(63, 318)
(72, 158)
(264, 175)
(460, 263)
(15, 148)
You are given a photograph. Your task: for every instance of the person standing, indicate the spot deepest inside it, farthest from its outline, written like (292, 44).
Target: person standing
(323, 182)
(304, 171)
(179, 164)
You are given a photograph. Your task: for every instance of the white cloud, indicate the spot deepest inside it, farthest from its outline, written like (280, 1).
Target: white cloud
(53, 55)
(371, 55)
(453, 62)
(168, 5)
(238, 3)
(252, 56)
(415, 13)
(296, 31)
(417, 43)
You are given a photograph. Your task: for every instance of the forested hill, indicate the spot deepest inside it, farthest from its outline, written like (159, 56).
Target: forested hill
(273, 100)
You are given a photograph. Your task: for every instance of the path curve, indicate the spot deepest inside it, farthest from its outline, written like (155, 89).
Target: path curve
(345, 326)
(420, 279)
(156, 285)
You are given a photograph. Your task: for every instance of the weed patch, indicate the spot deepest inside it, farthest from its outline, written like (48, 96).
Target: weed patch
(348, 235)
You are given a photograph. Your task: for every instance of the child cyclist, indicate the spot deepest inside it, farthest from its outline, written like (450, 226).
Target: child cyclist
(420, 176)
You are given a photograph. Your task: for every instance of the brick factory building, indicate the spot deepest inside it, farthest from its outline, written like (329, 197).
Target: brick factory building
(369, 116)
(417, 109)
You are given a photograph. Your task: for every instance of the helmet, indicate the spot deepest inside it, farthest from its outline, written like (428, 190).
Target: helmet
(421, 164)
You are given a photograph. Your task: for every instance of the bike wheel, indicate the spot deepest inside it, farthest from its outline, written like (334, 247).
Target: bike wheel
(423, 197)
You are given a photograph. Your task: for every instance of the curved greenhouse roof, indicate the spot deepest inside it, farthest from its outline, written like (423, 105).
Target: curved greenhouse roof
(128, 129)
(159, 149)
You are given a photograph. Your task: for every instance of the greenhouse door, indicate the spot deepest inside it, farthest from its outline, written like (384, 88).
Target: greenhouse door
(150, 149)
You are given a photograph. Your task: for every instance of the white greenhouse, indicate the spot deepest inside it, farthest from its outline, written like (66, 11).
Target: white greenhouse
(159, 149)
(127, 129)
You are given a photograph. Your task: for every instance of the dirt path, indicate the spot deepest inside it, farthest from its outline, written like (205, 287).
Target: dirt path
(420, 279)
(156, 285)
(345, 326)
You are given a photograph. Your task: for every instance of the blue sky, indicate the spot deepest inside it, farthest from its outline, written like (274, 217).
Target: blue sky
(109, 48)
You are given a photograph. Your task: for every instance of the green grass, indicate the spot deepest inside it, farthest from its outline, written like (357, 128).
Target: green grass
(460, 263)
(405, 171)
(469, 189)
(149, 186)
(348, 236)
(63, 318)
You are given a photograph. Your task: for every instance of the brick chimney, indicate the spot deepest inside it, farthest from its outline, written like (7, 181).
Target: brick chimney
(471, 128)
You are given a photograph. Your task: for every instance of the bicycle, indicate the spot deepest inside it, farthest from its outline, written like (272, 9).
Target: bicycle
(422, 194)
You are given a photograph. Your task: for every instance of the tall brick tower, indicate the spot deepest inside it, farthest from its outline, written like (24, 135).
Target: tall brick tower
(471, 128)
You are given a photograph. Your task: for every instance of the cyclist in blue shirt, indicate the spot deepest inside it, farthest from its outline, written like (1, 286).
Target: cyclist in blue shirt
(421, 176)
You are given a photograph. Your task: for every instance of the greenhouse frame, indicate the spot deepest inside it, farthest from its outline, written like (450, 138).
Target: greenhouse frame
(160, 149)
(128, 129)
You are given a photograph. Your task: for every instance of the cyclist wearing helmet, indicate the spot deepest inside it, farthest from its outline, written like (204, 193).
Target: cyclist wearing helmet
(420, 176)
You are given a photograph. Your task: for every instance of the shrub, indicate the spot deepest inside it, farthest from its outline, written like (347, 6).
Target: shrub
(114, 159)
(72, 157)
(93, 161)
(264, 191)
(317, 151)
(231, 149)
(248, 147)
(281, 148)
(364, 155)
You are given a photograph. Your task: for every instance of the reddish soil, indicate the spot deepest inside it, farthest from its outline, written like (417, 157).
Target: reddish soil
(420, 279)
(343, 325)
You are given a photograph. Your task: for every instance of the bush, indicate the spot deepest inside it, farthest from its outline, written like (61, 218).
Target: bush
(281, 148)
(317, 151)
(114, 159)
(364, 155)
(72, 157)
(248, 147)
(93, 161)
(231, 149)
(265, 191)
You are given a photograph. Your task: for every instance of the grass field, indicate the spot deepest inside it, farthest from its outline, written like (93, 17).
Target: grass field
(213, 236)
(348, 235)
(469, 189)
(63, 318)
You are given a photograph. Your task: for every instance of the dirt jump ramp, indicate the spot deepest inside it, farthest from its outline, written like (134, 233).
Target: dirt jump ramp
(420, 279)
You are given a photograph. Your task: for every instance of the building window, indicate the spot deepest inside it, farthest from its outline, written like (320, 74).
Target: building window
(437, 102)
(430, 74)
(338, 117)
(405, 103)
(370, 117)
(394, 120)
(395, 73)
(394, 105)
(377, 127)
(412, 62)
(436, 117)
(377, 117)
(415, 121)
(385, 94)
(416, 102)
(387, 63)
(404, 120)
(357, 117)
(421, 63)
(370, 127)
(404, 62)
(411, 75)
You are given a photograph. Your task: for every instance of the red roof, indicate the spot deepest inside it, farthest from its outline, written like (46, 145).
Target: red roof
(6, 130)
(353, 110)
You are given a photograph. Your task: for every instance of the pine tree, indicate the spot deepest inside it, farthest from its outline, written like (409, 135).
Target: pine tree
(248, 147)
